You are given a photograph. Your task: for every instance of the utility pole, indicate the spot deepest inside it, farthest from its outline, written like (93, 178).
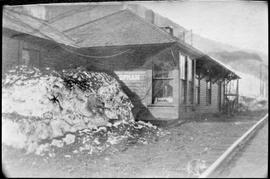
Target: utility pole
(260, 79)
(191, 41)
(185, 36)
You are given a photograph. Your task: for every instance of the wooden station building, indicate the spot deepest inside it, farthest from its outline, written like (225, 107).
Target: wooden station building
(165, 78)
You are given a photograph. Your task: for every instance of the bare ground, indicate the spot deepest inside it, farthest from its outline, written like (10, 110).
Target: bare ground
(166, 157)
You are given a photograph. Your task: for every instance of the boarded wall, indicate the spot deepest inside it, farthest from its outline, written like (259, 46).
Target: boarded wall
(10, 52)
(137, 82)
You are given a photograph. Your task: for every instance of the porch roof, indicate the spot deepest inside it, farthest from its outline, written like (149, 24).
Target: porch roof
(208, 63)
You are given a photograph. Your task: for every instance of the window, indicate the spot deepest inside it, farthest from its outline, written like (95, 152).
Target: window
(162, 82)
(183, 77)
(184, 92)
(25, 57)
(189, 69)
(191, 92)
(208, 92)
(191, 80)
(30, 57)
(182, 63)
(198, 90)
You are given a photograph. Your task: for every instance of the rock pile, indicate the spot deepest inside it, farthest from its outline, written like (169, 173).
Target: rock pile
(252, 103)
(47, 110)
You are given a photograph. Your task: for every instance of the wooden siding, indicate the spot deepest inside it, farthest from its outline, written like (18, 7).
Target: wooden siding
(195, 111)
(10, 52)
(164, 112)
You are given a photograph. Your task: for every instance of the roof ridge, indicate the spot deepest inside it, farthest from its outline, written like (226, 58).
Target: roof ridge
(66, 14)
(157, 28)
(92, 21)
(154, 27)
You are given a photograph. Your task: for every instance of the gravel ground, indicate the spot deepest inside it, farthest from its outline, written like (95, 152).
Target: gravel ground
(168, 156)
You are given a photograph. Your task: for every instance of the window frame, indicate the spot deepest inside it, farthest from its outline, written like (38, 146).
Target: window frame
(29, 50)
(162, 78)
(182, 66)
(191, 80)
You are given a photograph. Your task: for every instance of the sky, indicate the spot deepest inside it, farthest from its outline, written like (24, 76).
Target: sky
(242, 24)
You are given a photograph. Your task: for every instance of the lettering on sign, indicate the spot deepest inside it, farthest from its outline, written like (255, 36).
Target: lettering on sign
(126, 77)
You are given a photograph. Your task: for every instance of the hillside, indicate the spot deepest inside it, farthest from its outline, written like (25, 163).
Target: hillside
(243, 60)
(249, 64)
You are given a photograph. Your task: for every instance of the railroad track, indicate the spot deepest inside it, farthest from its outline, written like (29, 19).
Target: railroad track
(243, 147)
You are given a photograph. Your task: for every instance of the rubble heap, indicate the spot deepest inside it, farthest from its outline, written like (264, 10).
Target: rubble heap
(252, 103)
(46, 110)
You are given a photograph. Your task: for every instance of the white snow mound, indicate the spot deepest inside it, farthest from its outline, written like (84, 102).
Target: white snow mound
(38, 106)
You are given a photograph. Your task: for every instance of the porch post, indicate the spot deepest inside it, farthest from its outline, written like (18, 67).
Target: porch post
(237, 94)
(193, 82)
(179, 84)
(224, 96)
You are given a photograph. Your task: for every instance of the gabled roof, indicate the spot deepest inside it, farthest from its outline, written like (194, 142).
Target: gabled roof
(118, 29)
(77, 15)
(27, 24)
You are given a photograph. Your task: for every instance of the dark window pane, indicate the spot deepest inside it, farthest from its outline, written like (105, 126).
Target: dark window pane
(182, 64)
(30, 57)
(189, 69)
(191, 92)
(198, 95)
(162, 91)
(162, 70)
(208, 92)
(184, 92)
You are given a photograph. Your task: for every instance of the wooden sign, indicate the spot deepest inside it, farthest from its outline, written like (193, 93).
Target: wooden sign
(131, 75)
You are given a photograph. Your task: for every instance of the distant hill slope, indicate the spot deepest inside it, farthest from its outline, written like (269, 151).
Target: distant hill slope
(210, 46)
(243, 60)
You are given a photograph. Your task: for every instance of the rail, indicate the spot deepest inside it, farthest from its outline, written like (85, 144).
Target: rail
(237, 144)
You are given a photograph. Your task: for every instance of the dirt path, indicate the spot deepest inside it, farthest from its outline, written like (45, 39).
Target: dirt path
(167, 157)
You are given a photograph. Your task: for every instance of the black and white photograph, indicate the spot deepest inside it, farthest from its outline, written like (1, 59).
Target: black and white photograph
(135, 89)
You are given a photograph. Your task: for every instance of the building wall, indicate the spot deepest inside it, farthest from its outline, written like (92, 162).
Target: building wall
(204, 107)
(50, 54)
(59, 58)
(196, 110)
(10, 52)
